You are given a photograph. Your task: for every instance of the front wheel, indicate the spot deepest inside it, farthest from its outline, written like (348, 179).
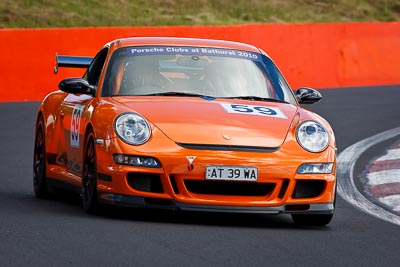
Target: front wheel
(89, 176)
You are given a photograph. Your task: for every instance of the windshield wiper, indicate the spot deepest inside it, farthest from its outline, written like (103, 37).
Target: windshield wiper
(257, 98)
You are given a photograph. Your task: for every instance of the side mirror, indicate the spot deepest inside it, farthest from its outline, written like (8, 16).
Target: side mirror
(76, 86)
(308, 95)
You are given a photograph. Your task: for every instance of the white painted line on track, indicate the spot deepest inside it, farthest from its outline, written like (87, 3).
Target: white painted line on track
(384, 177)
(392, 201)
(391, 154)
(346, 188)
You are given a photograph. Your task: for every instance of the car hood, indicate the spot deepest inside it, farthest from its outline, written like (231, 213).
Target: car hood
(216, 121)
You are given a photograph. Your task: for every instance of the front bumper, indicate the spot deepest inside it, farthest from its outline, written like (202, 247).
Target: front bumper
(180, 184)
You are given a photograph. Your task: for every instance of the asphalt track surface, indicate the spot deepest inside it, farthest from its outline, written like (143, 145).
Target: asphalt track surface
(57, 232)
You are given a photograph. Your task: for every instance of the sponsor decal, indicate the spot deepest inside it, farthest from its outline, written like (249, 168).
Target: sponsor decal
(254, 110)
(75, 125)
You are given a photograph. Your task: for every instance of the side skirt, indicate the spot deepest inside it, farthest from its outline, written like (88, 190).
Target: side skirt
(57, 184)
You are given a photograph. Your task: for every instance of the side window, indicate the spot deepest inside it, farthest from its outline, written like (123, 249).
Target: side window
(96, 67)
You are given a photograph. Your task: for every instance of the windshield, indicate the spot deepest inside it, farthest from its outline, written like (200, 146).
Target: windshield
(194, 71)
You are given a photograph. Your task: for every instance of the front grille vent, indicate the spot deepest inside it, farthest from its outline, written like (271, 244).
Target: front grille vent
(146, 182)
(308, 188)
(227, 188)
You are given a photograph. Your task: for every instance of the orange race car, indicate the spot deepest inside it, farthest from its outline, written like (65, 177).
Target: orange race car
(187, 124)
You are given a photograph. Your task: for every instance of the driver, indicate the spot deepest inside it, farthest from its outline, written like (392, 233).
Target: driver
(141, 76)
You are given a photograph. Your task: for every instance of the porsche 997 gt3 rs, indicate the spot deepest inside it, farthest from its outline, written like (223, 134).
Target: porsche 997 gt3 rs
(186, 124)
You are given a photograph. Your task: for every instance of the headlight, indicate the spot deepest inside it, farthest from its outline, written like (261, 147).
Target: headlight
(132, 128)
(140, 161)
(312, 136)
(322, 168)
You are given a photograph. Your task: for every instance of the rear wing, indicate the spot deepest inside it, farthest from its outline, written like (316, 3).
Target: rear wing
(71, 62)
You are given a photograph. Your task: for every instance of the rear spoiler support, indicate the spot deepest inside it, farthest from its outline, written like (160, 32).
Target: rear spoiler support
(71, 62)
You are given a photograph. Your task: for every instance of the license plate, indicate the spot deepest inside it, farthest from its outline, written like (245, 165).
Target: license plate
(231, 173)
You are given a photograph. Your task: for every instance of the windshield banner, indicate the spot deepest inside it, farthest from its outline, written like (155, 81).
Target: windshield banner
(198, 51)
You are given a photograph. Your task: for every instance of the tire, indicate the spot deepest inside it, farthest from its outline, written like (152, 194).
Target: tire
(89, 176)
(312, 219)
(39, 161)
